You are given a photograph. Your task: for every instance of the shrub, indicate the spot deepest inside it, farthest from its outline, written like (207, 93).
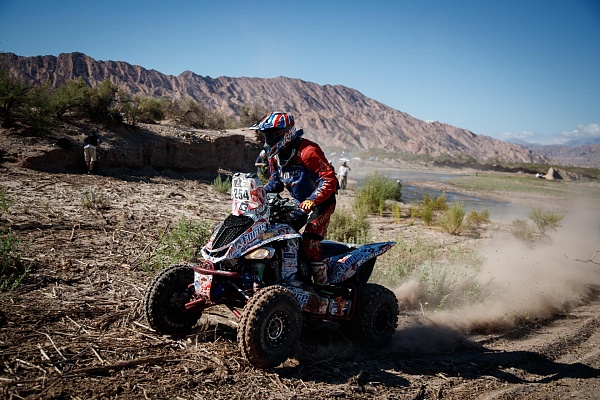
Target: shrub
(6, 202)
(94, 199)
(69, 98)
(99, 102)
(439, 203)
(396, 212)
(180, 244)
(346, 226)
(425, 211)
(478, 218)
(545, 220)
(13, 93)
(12, 271)
(220, 185)
(152, 110)
(452, 220)
(373, 193)
(38, 109)
(403, 259)
(523, 230)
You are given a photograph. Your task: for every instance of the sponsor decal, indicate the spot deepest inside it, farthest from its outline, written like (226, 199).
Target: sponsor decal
(202, 284)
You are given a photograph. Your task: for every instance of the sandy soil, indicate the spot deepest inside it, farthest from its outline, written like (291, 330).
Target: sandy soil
(74, 328)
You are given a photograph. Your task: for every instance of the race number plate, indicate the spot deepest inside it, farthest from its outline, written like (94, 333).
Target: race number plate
(202, 284)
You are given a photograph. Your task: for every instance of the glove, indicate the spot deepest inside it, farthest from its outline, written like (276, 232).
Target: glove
(307, 205)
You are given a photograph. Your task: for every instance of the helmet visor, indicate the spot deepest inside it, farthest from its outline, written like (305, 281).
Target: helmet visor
(272, 135)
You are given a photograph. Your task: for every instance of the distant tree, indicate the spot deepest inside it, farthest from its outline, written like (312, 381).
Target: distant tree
(100, 101)
(37, 108)
(250, 114)
(153, 110)
(70, 97)
(13, 93)
(190, 113)
(127, 107)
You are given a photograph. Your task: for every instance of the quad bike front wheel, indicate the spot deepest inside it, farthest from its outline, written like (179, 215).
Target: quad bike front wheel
(270, 326)
(165, 299)
(376, 316)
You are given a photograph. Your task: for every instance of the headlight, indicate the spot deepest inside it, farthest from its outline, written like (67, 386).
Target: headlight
(260, 254)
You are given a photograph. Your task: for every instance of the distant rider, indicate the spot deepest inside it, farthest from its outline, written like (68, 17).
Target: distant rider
(299, 165)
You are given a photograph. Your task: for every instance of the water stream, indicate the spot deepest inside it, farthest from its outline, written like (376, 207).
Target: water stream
(499, 210)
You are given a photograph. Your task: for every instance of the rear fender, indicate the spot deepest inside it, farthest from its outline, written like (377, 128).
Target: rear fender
(343, 267)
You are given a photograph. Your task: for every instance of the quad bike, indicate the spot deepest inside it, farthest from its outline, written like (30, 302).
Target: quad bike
(253, 264)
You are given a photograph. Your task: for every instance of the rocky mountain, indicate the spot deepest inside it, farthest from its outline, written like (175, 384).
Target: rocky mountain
(587, 155)
(336, 116)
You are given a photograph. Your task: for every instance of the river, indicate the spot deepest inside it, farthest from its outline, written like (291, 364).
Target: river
(412, 192)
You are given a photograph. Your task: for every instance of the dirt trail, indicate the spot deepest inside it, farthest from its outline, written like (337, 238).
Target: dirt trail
(74, 328)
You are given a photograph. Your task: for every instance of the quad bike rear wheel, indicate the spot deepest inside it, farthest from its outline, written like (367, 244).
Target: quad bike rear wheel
(166, 296)
(376, 316)
(270, 326)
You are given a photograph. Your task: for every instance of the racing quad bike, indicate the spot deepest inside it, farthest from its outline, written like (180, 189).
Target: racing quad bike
(253, 264)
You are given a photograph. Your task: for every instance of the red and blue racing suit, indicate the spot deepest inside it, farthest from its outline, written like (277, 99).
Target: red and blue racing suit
(308, 176)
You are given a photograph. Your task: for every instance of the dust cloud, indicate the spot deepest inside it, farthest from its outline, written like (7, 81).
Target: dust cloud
(524, 283)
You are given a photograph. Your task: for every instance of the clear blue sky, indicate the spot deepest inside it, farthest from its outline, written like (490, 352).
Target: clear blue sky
(508, 68)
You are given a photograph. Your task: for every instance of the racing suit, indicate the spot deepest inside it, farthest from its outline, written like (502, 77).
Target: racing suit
(308, 176)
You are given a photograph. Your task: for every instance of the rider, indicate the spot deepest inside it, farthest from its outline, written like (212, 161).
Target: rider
(300, 166)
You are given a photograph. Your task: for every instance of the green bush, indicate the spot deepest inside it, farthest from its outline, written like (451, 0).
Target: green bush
(373, 193)
(94, 199)
(180, 244)
(100, 101)
(477, 218)
(12, 271)
(425, 211)
(220, 185)
(396, 212)
(6, 202)
(250, 114)
(451, 221)
(523, 230)
(545, 220)
(403, 259)
(444, 275)
(13, 94)
(346, 226)
(69, 98)
(38, 109)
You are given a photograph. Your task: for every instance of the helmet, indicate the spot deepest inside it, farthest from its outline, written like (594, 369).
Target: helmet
(279, 130)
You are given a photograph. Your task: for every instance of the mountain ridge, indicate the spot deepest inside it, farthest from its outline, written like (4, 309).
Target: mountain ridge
(334, 115)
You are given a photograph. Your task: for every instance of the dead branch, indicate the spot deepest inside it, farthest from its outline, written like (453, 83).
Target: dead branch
(121, 365)
(591, 260)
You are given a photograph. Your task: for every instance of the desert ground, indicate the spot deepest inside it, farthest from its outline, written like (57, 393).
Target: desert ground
(74, 327)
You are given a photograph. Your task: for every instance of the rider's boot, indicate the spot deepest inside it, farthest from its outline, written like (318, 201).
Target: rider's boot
(319, 272)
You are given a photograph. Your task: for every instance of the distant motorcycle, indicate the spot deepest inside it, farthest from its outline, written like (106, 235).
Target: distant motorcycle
(253, 264)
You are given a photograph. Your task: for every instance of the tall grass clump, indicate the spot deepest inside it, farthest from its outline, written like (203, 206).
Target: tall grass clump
(347, 226)
(475, 218)
(180, 244)
(451, 221)
(536, 229)
(429, 208)
(12, 271)
(6, 202)
(442, 285)
(220, 185)
(402, 259)
(523, 230)
(373, 193)
(94, 199)
(440, 276)
(545, 220)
